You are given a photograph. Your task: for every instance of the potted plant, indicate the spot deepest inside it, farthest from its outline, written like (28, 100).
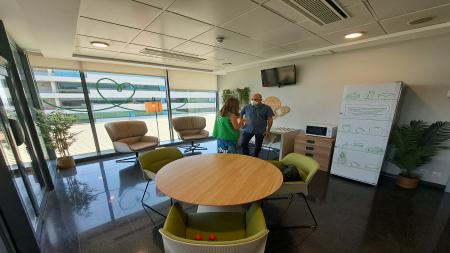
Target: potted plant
(243, 96)
(416, 144)
(55, 128)
(226, 94)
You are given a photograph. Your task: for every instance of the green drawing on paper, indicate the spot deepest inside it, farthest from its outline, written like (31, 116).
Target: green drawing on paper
(370, 95)
(386, 95)
(368, 167)
(119, 89)
(342, 158)
(353, 96)
(360, 148)
(375, 131)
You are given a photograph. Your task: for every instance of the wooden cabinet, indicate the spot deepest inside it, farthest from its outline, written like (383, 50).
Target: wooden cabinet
(318, 148)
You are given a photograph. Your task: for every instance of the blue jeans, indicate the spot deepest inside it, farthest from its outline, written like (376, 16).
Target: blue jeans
(245, 139)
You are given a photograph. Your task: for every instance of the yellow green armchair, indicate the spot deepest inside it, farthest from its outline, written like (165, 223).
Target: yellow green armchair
(235, 232)
(307, 167)
(152, 162)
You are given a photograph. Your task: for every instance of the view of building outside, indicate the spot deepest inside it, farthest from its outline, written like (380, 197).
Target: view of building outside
(117, 97)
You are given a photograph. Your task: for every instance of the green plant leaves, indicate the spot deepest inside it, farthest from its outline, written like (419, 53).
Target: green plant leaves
(417, 143)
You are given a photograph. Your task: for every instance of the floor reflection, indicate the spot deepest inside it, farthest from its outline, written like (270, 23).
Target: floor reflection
(96, 207)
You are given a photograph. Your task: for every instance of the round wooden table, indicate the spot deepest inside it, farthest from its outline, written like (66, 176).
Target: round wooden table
(219, 179)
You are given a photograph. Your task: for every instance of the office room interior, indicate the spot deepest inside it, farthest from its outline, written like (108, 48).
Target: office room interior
(224, 126)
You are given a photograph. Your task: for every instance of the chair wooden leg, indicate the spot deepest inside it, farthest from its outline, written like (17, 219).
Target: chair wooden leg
(292, 227)
(145, 205)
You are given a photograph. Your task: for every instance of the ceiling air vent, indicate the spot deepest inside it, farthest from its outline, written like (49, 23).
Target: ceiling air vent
(169, 55)
(321, 12)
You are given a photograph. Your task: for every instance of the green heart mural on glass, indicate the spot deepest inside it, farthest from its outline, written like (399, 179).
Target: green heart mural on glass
(119, 89)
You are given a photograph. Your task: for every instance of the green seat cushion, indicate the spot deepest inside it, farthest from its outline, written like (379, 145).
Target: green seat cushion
(225, 226)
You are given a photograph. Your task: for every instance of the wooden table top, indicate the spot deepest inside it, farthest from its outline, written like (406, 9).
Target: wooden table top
(219, 179)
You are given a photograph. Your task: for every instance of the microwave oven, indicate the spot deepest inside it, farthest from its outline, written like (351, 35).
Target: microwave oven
(326, 131)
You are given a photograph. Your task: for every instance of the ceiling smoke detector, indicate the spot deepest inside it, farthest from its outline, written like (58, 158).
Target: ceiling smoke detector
(219, 39)
(99, 44)
(420, 20)
(169, 55)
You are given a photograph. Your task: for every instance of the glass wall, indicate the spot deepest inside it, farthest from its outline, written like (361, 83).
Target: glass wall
(194, 103)
(63, 89)
(117, 97)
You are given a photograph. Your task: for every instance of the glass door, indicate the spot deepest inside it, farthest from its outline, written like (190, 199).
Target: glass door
(18, 153)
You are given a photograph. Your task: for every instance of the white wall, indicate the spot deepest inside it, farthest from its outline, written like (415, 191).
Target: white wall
(424, 65)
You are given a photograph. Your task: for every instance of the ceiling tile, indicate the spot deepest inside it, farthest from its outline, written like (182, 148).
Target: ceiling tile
(157, 3)
(194, 48)
(127, 13)
(244, 59)
(308, 44)
(388, 8)
(345, 3)
(285, 35)
(359, 15)
(99, 29)
(85, 41)
(156, 40)
(212, 11)
(178, 26)
(398, 24)
(255, 22)
(210, 36)
(93, 52)
(285, 10)
(223, 54)
(133, 57)
(248, 45)
(274, 52)
(370, 30)
(176, 63)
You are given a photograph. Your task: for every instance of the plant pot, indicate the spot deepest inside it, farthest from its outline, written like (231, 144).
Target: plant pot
(65, 162)
(408, 183)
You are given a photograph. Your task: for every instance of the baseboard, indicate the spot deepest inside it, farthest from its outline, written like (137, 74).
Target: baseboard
(421, 182)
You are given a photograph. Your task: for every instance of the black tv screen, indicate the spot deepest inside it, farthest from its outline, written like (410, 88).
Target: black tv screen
(278, 76)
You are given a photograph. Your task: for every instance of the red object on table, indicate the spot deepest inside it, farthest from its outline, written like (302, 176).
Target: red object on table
(212, 237)
(198, 237)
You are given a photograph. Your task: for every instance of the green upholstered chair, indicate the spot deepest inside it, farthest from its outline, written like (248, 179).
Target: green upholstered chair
(235, 232)
(152, 162)
(307, 168)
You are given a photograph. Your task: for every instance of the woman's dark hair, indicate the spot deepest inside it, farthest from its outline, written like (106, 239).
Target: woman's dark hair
(231, 105)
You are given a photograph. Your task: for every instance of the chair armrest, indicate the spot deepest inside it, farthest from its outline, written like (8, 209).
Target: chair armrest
(176, 221)
(255, 221)
(204, 133)
(278, 164)
(147, 138)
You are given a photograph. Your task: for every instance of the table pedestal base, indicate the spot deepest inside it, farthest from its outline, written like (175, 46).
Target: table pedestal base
(220, 209)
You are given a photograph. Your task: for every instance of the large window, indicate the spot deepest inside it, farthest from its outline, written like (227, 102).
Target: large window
(52, 87)
(117, 97)
(194, 103)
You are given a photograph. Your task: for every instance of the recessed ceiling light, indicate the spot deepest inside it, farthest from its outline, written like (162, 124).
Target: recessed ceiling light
(227, 64)
(354, 35)
(420, 20)
(99, 44)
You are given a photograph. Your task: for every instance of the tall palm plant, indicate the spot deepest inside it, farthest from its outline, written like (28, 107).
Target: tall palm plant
(417, 143)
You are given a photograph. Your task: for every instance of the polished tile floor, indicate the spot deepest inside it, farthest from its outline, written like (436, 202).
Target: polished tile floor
(96, 207)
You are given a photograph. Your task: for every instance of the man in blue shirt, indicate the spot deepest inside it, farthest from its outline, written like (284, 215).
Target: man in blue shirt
(261, 119)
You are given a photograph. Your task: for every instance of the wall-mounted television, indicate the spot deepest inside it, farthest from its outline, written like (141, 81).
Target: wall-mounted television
(278, 76)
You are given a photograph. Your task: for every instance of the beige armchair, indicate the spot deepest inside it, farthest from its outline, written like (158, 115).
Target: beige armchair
(191, 129)
(129, 136)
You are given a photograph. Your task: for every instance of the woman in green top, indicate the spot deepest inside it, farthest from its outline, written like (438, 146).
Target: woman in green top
(226, 127)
